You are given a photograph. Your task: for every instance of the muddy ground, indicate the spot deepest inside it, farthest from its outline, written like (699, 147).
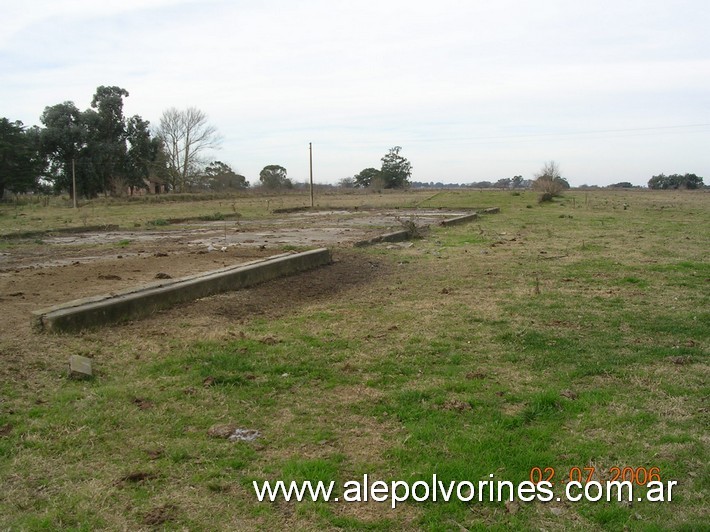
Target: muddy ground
(62, 267)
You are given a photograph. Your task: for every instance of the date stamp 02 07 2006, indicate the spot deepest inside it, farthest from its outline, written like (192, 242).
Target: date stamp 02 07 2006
(639, 475)
(583, 478)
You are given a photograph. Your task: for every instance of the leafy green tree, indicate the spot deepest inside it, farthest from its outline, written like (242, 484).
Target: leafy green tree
(675, 181)
(364, 179)
(274, 176)
(64, 139)
(517, 181)
(21, 162)
(107, 138)
(396, 170)
(220, 176)
(142, 154)
(108, 152)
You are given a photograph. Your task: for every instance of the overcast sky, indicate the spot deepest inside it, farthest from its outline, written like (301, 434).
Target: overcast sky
(472, 90)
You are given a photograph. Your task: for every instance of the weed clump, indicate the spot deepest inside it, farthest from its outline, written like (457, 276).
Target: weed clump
(157, 222)
(412, 227)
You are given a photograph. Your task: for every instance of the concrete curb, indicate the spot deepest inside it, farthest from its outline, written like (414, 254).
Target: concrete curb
(397, 236)
(138, 302)
(400, 236)
(459, 219)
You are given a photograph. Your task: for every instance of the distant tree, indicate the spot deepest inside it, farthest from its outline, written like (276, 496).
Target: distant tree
(622, 184)
(347, 182)
(378, 183)
(186, 136)
(482, 184)
(21, 160)
(64, 139)
(675, 181)
(142, 155)
(549, 182)
(504, 183)
(108, 152)
(220, 176)
(107, 138)
(365, 177)
(396, 169)
(517, 181)
(274, 176)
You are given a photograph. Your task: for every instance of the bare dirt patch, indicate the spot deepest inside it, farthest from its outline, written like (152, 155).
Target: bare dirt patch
(215, 317)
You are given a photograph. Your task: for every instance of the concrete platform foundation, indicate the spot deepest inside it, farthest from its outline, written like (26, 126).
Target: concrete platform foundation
(138, 302)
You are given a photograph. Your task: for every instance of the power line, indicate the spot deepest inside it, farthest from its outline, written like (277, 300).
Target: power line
(636, 130)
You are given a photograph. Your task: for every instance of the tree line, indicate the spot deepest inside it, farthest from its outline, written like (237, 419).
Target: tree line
(99, 150)
(105, 152)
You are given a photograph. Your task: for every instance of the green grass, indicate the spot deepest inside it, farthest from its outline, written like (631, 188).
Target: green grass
(521, 340)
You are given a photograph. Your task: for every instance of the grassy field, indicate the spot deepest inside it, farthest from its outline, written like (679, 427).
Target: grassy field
(567, 335)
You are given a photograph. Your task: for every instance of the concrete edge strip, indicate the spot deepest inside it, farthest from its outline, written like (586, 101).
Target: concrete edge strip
(396, 236)
(400, 236)
(155, 284)
(135, 303)
(459, 219)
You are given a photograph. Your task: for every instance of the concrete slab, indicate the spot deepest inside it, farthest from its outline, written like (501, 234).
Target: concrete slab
(138, 302)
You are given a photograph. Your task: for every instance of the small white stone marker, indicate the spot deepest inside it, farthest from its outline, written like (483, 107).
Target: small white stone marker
(80, 367)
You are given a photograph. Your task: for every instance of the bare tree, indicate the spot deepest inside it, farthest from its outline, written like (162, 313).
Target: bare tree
(549, 182)
(185, 135)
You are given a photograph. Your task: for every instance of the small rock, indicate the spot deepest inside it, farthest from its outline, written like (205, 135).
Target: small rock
(80, 367)
(160, 254)
(161, 275)
(109, 277)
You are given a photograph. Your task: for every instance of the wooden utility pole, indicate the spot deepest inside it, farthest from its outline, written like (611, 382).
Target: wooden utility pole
(73, 180)
(310, 155)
